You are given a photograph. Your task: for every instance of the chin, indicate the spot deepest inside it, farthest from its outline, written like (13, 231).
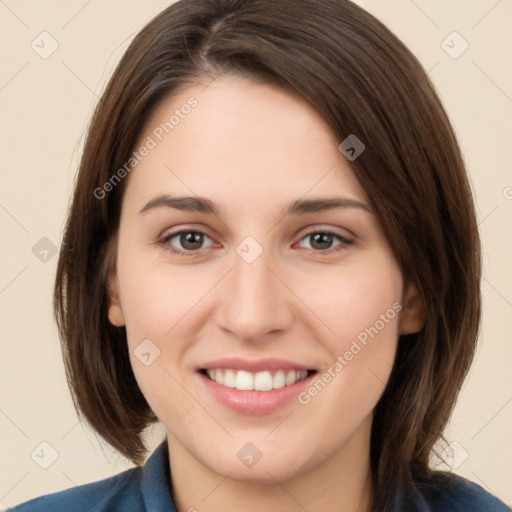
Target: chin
(274, 465)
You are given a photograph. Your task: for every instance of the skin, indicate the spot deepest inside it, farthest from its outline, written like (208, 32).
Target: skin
(252, 149)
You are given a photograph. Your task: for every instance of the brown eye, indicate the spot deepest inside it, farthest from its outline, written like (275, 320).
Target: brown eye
(186, 240)
(322, 241)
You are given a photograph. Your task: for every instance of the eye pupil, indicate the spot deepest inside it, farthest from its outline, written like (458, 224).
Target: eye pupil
(191, 240)
(323, 239)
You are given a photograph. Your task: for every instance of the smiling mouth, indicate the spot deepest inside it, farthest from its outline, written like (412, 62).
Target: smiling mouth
(256, 381)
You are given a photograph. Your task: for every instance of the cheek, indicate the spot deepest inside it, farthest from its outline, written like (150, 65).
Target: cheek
(349, 301)
(161, 304)
(158, 308)
(158, 300)
(361, 311)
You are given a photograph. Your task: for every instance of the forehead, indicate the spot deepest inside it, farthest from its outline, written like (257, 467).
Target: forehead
(240, 142)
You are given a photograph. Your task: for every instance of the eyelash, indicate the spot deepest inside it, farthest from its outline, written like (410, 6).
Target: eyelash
(164, 242)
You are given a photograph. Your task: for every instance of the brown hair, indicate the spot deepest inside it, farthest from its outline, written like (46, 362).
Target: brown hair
(362, 80)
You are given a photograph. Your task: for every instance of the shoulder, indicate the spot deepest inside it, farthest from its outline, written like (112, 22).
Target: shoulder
(448, 492)
(134, 490)
(119, 492)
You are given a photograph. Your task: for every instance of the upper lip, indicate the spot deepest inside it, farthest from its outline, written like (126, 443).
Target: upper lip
(253, 365)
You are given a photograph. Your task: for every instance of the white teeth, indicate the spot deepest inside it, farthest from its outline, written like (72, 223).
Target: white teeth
(260, 381)
(244, 381)
(263, 381)
(219, 376)
(290, 377)
(279, 380)
(229, 378)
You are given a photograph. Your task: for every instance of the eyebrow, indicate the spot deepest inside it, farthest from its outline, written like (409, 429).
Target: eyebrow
(297, 207)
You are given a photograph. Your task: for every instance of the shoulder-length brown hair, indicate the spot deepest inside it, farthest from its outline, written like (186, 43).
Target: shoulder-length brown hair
(362, 80)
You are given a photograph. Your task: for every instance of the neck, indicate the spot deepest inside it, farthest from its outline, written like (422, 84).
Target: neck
(341, 483)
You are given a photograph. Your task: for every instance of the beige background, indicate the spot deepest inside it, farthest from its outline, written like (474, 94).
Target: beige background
(46, 105)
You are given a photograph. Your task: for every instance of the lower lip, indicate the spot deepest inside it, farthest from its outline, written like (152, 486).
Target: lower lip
(255, 402)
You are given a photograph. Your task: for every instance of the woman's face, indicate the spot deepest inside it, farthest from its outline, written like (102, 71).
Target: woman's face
(257, 293)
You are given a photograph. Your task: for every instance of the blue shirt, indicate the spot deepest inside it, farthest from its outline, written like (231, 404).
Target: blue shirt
(147, 489)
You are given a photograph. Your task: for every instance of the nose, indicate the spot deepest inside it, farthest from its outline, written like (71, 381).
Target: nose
(254, 301)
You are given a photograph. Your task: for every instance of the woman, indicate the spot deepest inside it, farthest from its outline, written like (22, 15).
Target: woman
(272, 249)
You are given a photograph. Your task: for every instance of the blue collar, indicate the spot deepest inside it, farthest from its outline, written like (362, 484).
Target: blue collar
(156, 483)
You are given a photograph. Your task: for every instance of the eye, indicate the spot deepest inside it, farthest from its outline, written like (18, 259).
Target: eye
(321, 241)
(190, 240)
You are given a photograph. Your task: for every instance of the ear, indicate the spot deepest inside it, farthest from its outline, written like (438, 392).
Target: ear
(413, 314)
(115, 313)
